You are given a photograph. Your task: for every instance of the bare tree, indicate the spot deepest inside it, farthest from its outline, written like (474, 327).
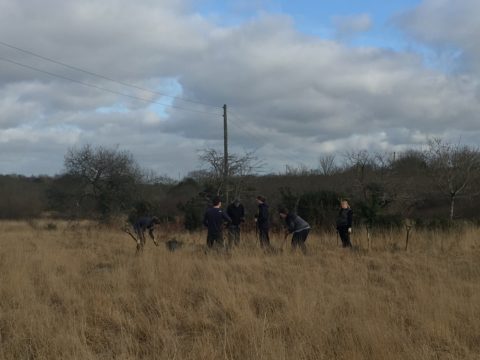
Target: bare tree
(372, 177)
(362, 163)
(327, 164)
(214, 173)
(240, 167)
(298, 170)
(454, 169)
(108, 178)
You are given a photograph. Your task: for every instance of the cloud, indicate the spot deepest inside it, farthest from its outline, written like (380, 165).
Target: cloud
(349, 26)
(291, 96)
(449, 26)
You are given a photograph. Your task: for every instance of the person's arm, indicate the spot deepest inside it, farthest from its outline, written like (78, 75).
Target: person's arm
(205, 219)
(226, 217)
(290, 224)
(242, 213)
(263, 215)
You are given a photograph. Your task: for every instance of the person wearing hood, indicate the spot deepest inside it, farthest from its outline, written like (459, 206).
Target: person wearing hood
(236, 212)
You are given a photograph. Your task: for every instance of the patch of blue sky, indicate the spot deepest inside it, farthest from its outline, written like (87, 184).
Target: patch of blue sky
(172, 88)
(159, 104)
(316, 18)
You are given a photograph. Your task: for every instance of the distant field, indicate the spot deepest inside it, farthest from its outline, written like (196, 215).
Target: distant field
(77, 291)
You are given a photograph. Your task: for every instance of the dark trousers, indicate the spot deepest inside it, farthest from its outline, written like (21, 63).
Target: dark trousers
(298, 240)
(344, 236)
(140, 232)
(233, 235)
(214, 240)
(264, 237)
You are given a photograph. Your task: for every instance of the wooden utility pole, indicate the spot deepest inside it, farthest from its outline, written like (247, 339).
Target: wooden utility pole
(225, 153)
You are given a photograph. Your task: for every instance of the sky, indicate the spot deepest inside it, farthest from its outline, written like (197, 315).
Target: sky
(301, 79)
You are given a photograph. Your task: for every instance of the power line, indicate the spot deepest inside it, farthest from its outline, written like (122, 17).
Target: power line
(103, 76)
(104, 89)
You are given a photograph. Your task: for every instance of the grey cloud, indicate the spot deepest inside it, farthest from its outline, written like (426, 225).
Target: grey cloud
(450, 26)
(349, 26)
(290, 96)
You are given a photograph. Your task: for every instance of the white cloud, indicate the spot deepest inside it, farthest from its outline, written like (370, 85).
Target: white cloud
(291, 96)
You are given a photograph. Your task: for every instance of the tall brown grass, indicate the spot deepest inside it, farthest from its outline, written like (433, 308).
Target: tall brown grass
(77, 291)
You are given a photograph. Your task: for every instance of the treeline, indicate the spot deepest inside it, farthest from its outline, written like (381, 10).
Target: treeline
(433, 187)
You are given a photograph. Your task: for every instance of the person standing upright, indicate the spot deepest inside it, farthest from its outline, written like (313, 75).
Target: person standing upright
(214, 219)
(236, 212)
(263, 223)
(344, 223)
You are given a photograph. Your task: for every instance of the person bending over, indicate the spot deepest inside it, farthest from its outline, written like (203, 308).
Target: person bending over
(296, 226)
(143, 224)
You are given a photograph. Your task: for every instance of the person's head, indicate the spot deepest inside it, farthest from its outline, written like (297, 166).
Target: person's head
(344, 204)
(283, 212)
(236, 202)
(216, 201)
(261, 199)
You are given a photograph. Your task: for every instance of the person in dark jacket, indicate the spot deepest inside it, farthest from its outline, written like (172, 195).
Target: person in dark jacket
(296, 226)
(214, 219)
(344, 223)
(143, 224)
(263, 224)
(236, 212)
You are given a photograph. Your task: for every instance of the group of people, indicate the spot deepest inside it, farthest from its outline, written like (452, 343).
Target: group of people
(215, 219)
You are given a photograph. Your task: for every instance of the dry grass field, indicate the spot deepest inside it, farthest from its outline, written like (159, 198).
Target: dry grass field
(78, 291)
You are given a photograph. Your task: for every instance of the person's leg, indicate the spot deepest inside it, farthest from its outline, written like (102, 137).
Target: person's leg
(345, 237)
(141, 240)
(261, 237)
(294, 241)
(232, 235)
(138, 238)
(219, 240)
(264, 238)
(298, 240)
(341, 233)
(210, 240)
(303, 238)
(237, 235)
(150, 233)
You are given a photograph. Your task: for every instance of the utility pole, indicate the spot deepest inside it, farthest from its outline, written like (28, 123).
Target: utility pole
(225, 153)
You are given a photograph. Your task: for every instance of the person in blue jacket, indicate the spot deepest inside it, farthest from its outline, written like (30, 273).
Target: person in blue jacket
(215, 219)
(143, 224)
